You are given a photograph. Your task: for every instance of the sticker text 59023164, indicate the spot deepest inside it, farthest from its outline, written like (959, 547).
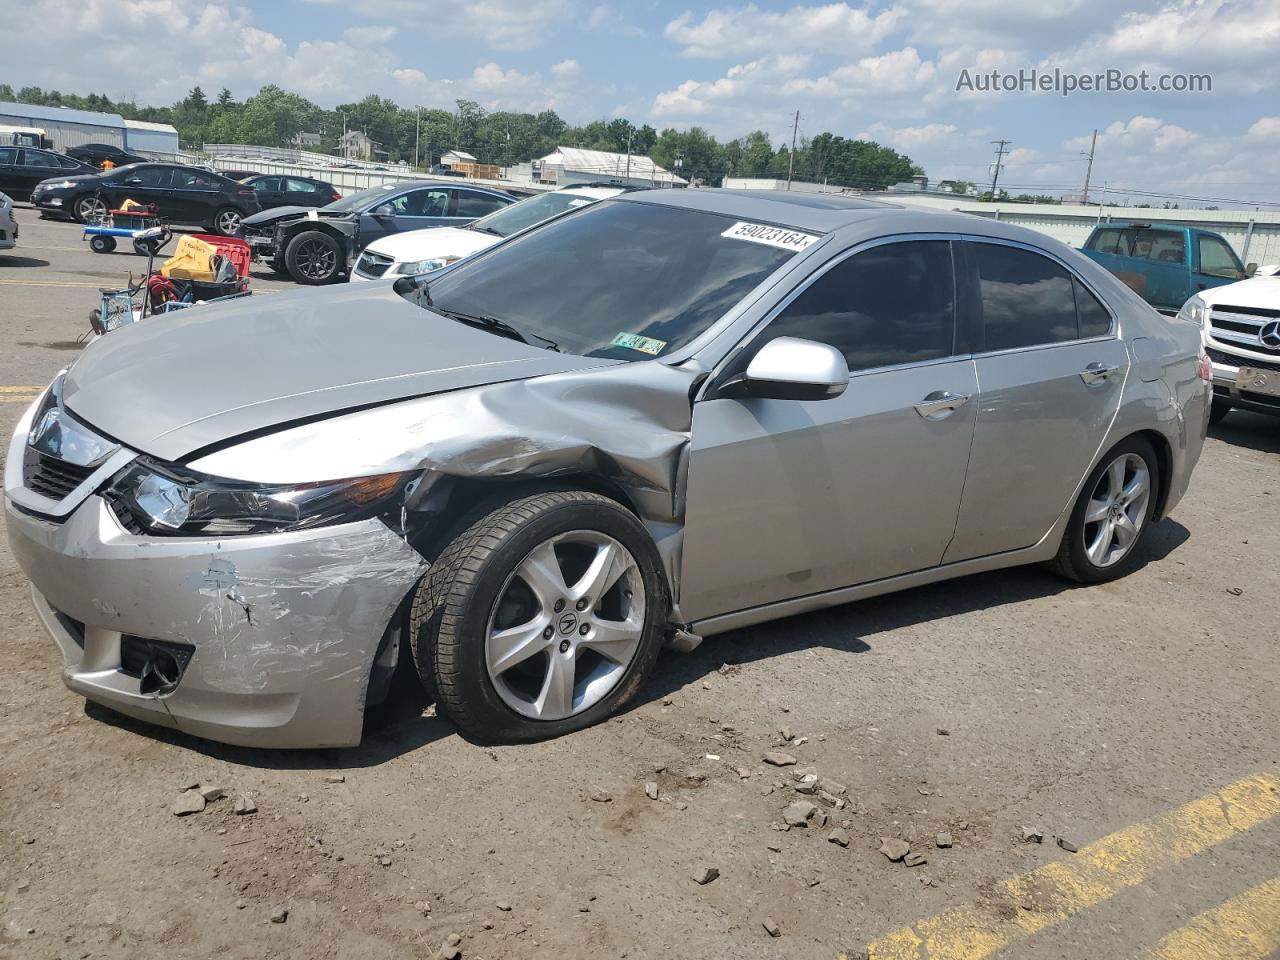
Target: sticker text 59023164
(783, 237)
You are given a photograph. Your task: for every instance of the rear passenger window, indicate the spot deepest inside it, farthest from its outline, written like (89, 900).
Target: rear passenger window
(891, 304)
(8, 155)
(1093, 316)
(1026, 298)
(476, 204)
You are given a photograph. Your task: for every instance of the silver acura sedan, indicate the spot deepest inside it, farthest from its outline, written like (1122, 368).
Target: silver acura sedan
(652, 419)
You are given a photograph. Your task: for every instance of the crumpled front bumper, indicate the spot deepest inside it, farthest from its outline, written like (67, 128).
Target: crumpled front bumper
(285, 627)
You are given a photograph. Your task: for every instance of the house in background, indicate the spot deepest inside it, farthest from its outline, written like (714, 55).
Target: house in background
(356, 145)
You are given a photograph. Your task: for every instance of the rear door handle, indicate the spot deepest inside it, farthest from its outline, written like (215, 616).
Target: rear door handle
(1097, 372)
(941, 404)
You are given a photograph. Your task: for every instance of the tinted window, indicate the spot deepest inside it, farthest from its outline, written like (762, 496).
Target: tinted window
(890, 304)
(1026, 298)
(266, 184)
(476, 204)
(38, 158)
(8, 155)
(145, 177)
(1217, 259)
(68, 163)
(616, 279)
(421, 203)
(1093, 317)
(1166, 246)
(516, 216)
(299, 186)
(193, 180)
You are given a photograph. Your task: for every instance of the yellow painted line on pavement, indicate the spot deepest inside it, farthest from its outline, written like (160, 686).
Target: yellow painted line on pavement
(53, 283)
(1023, 906)
(4, 389)
(1246, 927)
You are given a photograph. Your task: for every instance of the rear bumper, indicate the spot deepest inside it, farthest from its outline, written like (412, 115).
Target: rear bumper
(283, 628)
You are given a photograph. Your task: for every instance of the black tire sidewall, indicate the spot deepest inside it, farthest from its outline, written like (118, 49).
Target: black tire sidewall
(1086, 570)
(290, 258)
(484, 703)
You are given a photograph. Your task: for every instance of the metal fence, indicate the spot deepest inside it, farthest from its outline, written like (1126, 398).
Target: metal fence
(349, 180)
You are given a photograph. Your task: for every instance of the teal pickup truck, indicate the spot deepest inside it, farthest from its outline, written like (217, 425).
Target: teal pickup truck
(1165, 264)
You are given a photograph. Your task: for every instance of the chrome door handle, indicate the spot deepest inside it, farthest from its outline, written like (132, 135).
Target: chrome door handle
(1097, 372)
(941, 403)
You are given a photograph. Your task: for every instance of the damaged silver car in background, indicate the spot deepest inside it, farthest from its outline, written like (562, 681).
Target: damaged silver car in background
(659, 417)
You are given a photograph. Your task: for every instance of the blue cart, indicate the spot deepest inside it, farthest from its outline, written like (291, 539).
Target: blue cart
(144, 229)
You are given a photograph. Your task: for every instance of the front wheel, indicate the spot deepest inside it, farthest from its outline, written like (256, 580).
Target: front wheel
(1112, 515)
(313, 258)
(543, 616)
(89, 209)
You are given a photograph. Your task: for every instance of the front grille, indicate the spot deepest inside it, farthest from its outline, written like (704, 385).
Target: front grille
(158, 664)
(123, 514)
(1242, 325)
(372, 265)
(51, 477)
(1217, 356)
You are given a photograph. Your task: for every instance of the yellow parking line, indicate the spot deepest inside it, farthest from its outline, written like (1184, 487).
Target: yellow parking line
(1023, 906)
(1246, 927)
(4, 389)
(29, 399)
(51, 283)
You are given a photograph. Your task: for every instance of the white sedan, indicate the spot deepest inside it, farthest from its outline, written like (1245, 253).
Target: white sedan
(421, 251)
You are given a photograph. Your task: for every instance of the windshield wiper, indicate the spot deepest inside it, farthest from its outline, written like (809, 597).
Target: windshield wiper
(488, 230)
(494, 325)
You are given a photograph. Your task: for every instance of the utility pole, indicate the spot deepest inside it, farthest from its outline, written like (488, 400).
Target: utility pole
(1001, 153)
(417, 135)
(630, 133)
(791, 157)
(1088, 172)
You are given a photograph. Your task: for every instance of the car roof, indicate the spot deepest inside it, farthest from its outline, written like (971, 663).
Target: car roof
(820, 212)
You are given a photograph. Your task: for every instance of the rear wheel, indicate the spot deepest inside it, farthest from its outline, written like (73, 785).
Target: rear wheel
(1112, 515)
(541, 617)
(88, 208)
(102, 244)
(1218, 410)
(313, 258)
(226, 221)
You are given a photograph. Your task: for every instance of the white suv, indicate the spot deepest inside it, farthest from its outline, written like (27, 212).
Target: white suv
(421, 251)
(8, 224)
(1240, 325)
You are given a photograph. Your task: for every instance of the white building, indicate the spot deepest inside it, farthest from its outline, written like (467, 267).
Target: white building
(576, 165)
(159, 139)
(70, 128)
(456, 158)
(356, 145)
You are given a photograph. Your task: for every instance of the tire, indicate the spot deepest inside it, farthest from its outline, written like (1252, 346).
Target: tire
(478, 581)
(147, 248)
(313, 258)
(86, 206)
(1094, 550)
(102, 244)
(227, 221)
(1218, 410)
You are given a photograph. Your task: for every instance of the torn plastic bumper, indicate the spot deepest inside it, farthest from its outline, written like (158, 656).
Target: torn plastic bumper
(281, 629)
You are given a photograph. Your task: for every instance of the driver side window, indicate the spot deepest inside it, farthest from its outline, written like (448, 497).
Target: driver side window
(891, 304)
(421, 203)
(1217, 260)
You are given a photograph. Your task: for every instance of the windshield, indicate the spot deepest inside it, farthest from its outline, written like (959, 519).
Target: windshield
(361, 198)
(617, 279)
(526, 213)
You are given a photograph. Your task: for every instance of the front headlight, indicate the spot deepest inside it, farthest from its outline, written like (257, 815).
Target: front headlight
(171, 500)
(1193, 310)
(59, 185)
(424, 266)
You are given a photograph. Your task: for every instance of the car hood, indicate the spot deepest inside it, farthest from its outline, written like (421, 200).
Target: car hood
(174, 384)
(1254, 292)
(433, 242)
(275, 214)
(74, 178)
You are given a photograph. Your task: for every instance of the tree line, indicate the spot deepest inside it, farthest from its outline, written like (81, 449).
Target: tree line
(275, 117)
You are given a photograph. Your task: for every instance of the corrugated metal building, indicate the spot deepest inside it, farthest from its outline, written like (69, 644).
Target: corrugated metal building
(578, 165)
(66, 127)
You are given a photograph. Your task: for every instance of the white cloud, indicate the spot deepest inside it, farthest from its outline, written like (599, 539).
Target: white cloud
(909, 138)
(1265, 128)
(566, 70)
(896, 72)
(505, 24)
(369, 36)
(737, 87)
(605, 18)
(833, 28)
(1198, 29)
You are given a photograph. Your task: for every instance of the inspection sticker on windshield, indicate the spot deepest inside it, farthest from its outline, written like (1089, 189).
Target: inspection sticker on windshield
(773, 236)
(633, 341)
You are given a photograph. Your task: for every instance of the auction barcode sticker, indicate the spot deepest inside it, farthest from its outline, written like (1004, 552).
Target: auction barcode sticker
(783, 237)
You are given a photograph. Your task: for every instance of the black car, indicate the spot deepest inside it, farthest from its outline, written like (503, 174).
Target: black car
(96, 154)
(315, 246)
(180, 195)
(274, 191)
(21, 168)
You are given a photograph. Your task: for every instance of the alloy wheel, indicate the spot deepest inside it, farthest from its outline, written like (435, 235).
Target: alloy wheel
(316, 260)
(1117, 510)
(228, 223)
(91, 209)
(566, 626)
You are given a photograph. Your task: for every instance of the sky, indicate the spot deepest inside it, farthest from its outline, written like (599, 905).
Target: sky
(884, 70)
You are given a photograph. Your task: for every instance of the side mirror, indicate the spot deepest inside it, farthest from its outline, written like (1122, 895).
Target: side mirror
(791, 369)
(1250, 269)
(383, 210)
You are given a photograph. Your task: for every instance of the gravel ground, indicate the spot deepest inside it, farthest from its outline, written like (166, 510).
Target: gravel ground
(1076, 710)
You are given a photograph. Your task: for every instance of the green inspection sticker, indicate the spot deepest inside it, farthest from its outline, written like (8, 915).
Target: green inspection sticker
(633, 341)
